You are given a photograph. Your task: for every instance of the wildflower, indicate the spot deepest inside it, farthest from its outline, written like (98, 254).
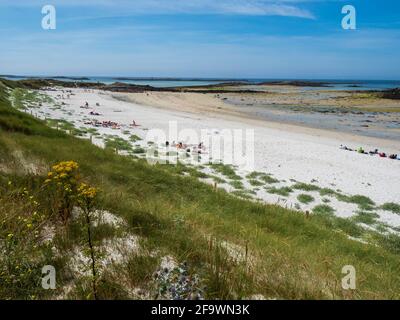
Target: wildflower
(10, 235)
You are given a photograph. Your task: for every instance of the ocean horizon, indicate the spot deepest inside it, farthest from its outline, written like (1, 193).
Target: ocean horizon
(168, 82)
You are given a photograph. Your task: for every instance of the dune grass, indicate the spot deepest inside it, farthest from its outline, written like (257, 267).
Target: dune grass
(226, 170)
(323, 209)
(305, 198)
(284, 191)
(363, 202)
(287, 255)
(390, 206)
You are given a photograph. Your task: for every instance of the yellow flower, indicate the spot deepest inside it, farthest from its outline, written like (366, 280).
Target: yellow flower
(29, 225)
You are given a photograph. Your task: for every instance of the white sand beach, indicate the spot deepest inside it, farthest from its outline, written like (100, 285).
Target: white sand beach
(286, 152)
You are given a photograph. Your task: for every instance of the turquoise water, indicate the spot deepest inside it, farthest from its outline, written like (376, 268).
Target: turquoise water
(176, 82)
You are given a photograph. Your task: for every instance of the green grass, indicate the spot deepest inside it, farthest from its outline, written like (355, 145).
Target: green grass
(284, 191)
(255, 183)
(324, 209)
(134, 138)
(390, 206)
(309, 253)
(23, 99)
(244, 194)
(363, 202)
(226, 170)
(306, 187)
(218, 179)
(366, 217)
(267, 178)
(305, 198)
(118, 143)
(327, 192)
(138, 150)
(237, 184)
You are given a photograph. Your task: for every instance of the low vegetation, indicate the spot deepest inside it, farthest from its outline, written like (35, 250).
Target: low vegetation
(393, 207)
(227, 247)
(305, 198)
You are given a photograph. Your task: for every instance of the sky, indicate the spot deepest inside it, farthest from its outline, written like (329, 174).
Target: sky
(268, 39)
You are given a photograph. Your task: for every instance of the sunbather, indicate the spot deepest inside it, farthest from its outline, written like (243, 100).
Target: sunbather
(374, 152)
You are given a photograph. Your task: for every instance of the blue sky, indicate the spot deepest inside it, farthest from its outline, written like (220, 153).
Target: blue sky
(202, 38)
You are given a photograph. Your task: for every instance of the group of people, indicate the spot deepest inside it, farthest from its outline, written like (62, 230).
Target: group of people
(372, 153)
(199, 148)
(104, 124)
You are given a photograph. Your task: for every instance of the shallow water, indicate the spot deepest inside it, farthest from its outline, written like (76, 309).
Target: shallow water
(177, 82)
(371, 124)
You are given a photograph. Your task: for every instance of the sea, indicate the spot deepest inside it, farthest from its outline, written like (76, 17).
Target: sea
(159, 82)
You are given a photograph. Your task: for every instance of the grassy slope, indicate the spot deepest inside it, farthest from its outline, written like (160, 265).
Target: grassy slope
(291, 256)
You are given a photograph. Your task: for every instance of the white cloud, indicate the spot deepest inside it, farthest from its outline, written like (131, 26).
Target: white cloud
(238, 7)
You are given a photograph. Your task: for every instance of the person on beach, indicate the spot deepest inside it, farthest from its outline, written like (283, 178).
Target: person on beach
(134, 124)
(345, 148)
(375, 152)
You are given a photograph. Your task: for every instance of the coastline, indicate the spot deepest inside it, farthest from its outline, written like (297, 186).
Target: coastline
(291, 154)
(200, 104)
